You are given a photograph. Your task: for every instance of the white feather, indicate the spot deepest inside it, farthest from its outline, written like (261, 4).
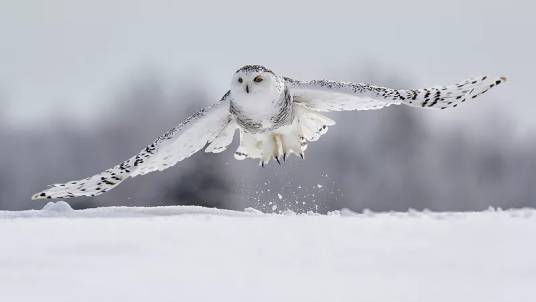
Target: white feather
(175, 145)
(340, 96)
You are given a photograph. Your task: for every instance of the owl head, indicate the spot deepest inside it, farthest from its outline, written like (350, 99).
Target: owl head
(253, 81)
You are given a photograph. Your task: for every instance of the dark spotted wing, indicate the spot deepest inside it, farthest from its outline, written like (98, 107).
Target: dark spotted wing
(175, 145)
(339, 96)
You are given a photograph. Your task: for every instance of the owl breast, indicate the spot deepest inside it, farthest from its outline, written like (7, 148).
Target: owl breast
(259, 116)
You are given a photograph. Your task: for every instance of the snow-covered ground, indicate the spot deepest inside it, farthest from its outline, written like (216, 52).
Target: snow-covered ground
(199, 254)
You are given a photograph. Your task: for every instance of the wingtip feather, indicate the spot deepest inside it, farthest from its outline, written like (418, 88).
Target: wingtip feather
(40, 195)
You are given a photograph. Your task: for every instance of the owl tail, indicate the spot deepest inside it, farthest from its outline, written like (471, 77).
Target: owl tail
(307, 127)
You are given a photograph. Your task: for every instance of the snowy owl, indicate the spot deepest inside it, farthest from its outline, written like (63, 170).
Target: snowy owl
(276, 116)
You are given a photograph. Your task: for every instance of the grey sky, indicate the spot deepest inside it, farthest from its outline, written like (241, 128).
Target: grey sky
(71, 56)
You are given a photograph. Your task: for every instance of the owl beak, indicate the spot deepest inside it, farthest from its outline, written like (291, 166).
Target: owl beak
(247, 88)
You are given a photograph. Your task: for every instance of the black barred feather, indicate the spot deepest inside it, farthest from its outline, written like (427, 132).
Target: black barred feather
(339, 96)
(175, 145)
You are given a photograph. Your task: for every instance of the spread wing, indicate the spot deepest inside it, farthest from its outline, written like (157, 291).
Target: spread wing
(340, 96)
(175, 145)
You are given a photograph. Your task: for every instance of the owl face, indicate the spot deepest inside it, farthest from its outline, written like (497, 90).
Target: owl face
(253, 81)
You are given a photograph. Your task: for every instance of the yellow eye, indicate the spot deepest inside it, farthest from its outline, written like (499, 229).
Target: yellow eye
(239, 80)
(257, 79)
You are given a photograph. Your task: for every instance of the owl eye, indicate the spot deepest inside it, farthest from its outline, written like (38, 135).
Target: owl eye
(240, 80)
(257, 79)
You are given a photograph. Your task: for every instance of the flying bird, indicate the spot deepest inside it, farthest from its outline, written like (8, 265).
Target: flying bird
(275, 115)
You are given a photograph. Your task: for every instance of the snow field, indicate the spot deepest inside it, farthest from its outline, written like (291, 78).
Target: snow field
(185, 253)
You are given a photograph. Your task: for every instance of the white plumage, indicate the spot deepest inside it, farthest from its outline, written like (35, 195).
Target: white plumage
(276, 116)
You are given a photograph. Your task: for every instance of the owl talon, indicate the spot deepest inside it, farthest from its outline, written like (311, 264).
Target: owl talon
(277, 159)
